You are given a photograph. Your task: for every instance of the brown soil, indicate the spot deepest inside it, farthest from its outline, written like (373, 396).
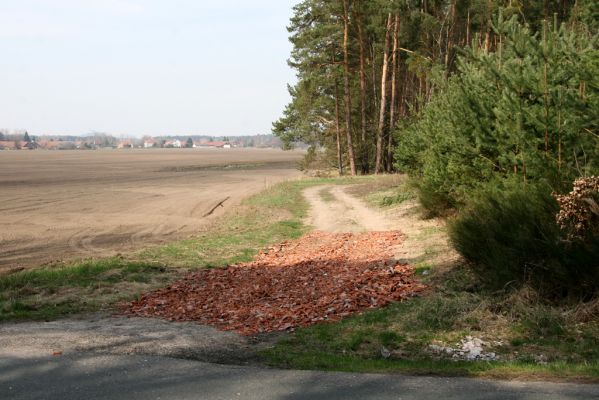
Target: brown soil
(65, 205)
(342, 213)
(424, 243)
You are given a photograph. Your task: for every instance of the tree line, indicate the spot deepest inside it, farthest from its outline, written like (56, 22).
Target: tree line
(365, 66)
(491, 107)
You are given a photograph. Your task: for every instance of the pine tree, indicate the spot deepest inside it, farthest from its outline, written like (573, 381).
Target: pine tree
(365, 66)
(528, 111)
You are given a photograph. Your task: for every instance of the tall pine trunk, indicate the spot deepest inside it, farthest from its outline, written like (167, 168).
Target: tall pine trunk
(393, 106)
(383, 106)
(348, 125)
(338, 129)
(364, 145)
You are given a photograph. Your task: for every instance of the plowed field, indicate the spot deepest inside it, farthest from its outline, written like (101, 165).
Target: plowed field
(63, 205)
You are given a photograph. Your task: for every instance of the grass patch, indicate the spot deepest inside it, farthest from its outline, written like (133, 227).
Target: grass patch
(50, 292)
(326, 195)
(560, 371)
(393, 197)
(385, 191)
(431, 231)
(271, 216)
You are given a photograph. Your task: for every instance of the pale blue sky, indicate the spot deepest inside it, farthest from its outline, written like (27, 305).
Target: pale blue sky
(143, 66)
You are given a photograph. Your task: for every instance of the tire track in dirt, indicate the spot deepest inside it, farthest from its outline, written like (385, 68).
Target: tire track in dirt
(83, 240)
(425, 242)
(342, 213)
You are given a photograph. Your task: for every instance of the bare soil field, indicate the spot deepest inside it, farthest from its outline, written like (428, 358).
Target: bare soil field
(66, 205)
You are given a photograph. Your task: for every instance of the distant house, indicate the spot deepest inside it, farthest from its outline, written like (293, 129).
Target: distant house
(29, 145)
(217, 145)
(149, 143)
(125, 144)
(174, 143)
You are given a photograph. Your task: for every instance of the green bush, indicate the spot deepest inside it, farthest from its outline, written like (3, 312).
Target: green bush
(434, 203)
(509, 234)
(530, 111)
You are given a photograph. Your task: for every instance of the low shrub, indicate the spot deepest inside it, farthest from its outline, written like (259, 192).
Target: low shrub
(434, 202)
(509, 233)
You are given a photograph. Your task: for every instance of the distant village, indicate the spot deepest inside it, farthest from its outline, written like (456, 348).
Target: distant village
(24, 141)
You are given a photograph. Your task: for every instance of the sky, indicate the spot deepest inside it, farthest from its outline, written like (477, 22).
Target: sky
(143, 67)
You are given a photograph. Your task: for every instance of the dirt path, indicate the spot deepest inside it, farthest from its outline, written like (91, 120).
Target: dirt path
(332, 209)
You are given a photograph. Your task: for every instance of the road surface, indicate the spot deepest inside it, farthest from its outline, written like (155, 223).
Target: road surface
(95, 376)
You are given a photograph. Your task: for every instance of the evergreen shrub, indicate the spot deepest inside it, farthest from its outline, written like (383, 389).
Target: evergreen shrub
(508, 231)
(529, 110)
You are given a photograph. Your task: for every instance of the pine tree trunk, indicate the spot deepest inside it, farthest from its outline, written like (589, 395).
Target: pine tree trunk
(468, 29)
(393, 106)
(374, 86)
(348, 128)
(364, 145)
(381, 127)
(338, 130)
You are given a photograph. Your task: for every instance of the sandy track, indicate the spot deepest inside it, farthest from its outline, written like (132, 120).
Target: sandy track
(342, 212)
(64, 205)
(334, 209)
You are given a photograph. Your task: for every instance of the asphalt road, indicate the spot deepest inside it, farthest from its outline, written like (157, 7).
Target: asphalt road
(89, 376)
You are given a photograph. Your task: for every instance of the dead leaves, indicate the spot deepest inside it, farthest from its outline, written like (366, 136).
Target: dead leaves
(578, 209)
(320, 277)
